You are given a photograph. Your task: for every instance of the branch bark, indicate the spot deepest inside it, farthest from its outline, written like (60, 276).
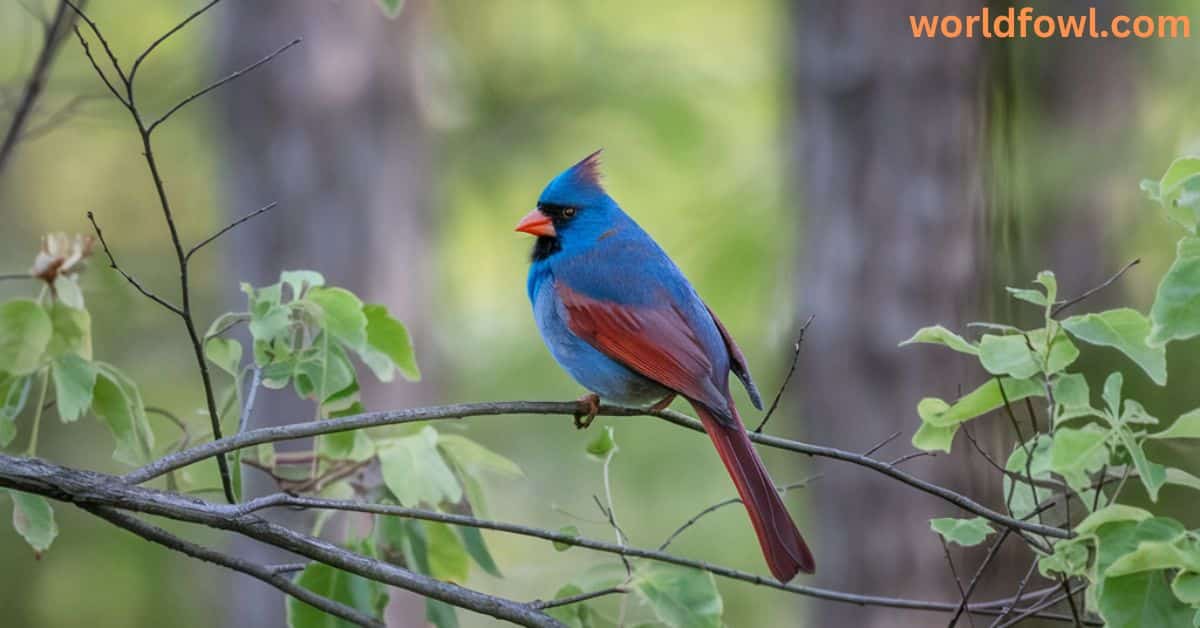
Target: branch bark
(462, 410)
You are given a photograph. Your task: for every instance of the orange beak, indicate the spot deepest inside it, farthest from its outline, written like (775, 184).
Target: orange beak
(536, 223)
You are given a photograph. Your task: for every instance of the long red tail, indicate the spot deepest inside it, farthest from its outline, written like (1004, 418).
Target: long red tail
(782, 545)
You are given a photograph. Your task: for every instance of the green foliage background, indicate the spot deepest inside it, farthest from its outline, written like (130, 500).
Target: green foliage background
(692, 103)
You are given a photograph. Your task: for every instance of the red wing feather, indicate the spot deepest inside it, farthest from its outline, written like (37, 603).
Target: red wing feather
(656, 342)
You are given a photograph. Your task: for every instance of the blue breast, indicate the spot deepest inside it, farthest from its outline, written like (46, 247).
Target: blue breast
(588, 366)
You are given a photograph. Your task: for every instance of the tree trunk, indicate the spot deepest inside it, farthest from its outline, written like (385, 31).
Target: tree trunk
(333, 131)
(890, 162)
(902, 141)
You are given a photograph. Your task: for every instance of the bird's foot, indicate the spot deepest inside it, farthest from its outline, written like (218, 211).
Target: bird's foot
(663, 403)
(589, 405)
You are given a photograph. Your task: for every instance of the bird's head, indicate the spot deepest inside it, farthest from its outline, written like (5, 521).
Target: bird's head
(573, 210)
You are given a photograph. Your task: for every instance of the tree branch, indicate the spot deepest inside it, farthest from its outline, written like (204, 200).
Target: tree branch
(89, 490)
(226, 228)
(270, 575)
(56, 30)
(1063, 305)
(458, 411)
(112, 263)
(231, 77)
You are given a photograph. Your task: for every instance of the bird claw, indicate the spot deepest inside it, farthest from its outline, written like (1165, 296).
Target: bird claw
(663, 403)
(589, 405)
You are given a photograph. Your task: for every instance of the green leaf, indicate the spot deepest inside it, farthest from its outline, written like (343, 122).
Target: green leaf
(415, 472)
(603, 443)
(74, 379)
(1152, 474)
(476, 546)
(343, 315)
(1112, 393)
(932, 438)
(14, 392)
(1141, 600)
(352, 590)
(448, 558)
(1050, 283)
(1186, 426)
(980, 401)
(391, 8)
(1070, 557)
(1151, 189)
(680, 596)
(1186, 587)
(1179, 477)
(33, 519)
(965, 532)
(352, 445)
(25, 331)
(300, 281)
(1078, 451)
(474, 458)
(388, 336)
(1175, 314)
(1026, 498)
(570, 531)
(116, 400)
(941, 336)
(1072, 398)
(1172, 187)
(1027, 295)
(323, 371)
(1011, 355)
(1125, 330)
(67, 292)
(1110, 514)
(225, 353)
(72, 331)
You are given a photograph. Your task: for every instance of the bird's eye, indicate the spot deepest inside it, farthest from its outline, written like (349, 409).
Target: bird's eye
(568, 212)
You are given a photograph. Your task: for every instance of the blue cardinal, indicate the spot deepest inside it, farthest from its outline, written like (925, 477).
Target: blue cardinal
(621, 318)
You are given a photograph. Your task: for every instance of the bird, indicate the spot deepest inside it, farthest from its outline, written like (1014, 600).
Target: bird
(622, 320)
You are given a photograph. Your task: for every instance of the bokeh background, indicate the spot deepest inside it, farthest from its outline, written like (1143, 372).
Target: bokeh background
(794, 158)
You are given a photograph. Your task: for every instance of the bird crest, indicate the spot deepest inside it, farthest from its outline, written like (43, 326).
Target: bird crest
(588, 169)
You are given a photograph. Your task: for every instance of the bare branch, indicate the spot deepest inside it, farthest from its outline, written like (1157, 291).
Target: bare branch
(231, 77)
(269, 575)
(112, 262)
(957, 583)
(721, 504)
(223, 230)
(56, 29)
(91, 490)
(87, 51)
(1063, 305)
(787, 378)
(987, 560)
(458, 411)
(165, 36)
(128, 101)
(575, 599)
(13, 276)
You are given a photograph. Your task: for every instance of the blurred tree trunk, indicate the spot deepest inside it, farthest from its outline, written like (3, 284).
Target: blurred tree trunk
(333, 131)
(903, 139)
(890, 160)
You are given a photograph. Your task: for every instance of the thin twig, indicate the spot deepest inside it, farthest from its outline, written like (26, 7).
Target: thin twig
(880, 445)
(13, 276)
(728, 502)
(270, 575)
(1062, 306)
(987, 560)
(226, 228)
(957, 581)
(55, 31)
(1066, 587)
(145, 53)
(1037, 608)
(458, 411)
(575, 599)
(112, 262)
(1016, 599)
(787, 378)
(211, 87)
